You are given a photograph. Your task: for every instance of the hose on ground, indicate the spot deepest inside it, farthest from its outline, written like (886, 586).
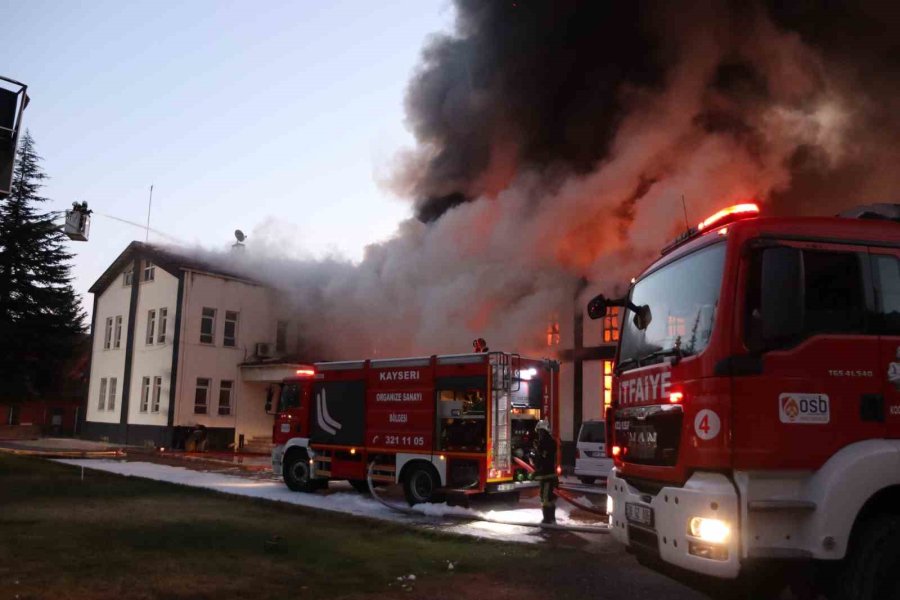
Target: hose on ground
(64, 453)
(458, 517)
(563, 493)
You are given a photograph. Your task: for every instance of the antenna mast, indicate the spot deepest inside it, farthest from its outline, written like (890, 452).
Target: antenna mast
(687, 224)
(149, 204)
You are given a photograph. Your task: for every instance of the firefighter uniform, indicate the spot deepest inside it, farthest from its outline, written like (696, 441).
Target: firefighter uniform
(545, 470)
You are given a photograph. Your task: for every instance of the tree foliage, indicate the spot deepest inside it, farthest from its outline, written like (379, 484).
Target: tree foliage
(40, 313)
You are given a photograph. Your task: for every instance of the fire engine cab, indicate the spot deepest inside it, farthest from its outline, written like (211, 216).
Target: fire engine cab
(433, 424)
(755, 420)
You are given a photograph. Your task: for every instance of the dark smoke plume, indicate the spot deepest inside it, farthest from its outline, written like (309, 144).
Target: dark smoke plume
(545, 86)
(524, 84)
(556, 139)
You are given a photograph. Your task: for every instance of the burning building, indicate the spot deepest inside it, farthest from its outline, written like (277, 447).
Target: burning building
(559, 145)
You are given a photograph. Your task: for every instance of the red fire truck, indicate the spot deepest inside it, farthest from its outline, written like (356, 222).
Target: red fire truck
(756, 413)
(433, 424)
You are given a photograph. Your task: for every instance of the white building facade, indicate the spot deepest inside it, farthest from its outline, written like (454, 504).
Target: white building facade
(181, 346)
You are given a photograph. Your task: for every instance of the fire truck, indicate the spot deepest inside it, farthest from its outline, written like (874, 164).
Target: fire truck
(755, 422)
(433, 424)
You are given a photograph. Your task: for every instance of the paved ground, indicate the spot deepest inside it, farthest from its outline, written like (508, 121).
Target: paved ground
(58, 444)
(61, 448)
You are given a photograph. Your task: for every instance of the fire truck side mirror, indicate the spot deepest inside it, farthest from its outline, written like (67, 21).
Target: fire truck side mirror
(642, 317)
(269, 393)
(781, 296)
(596, 308)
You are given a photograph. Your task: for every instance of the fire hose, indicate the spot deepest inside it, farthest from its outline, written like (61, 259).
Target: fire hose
(64, 453)
(562, 492)
(477, 517)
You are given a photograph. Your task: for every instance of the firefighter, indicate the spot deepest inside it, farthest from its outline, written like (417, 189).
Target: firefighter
(544, 461)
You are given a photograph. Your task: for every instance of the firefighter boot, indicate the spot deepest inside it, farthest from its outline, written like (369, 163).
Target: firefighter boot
(549, 515)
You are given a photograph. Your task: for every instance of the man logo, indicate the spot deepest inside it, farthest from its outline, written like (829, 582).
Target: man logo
(326, 422)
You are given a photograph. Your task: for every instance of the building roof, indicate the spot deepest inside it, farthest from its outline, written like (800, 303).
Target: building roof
(171, 259)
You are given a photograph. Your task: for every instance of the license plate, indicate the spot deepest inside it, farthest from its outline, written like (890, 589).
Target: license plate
(638, 513)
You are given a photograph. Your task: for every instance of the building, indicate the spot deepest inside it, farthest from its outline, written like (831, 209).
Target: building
(586, 350)
(181, 345)
(60, 410)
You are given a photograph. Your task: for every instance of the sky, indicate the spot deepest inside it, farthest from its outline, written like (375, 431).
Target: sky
(277, 118)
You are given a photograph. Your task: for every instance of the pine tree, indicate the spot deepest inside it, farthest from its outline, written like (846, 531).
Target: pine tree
(40, 313)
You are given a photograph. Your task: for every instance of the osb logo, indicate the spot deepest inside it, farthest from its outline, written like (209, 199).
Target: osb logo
(804, 408)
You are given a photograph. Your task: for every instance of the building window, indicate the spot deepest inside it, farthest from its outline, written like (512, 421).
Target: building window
(201, 396)
(111, 399)
(611, 325)
(157, 390)
(281, 336)
(553, 333)
(607, 385)
(118, 335)
(151, 325)
(149, 271)
(107, 334)
(127, 278)
(231, 321)
(102, 403)
(676, 327)
(207, 325)
(163, 324)
(225, 397)
(145, 393)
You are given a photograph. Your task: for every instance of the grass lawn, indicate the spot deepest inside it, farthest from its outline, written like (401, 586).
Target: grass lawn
(117, 537)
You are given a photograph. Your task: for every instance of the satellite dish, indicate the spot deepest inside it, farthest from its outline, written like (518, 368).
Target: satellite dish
(239, 235)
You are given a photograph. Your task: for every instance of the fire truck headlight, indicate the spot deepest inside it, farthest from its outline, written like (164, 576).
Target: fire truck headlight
(609, 504)
(713, 531)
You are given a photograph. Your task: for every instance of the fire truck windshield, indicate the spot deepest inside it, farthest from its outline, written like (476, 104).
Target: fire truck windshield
(682, 297)
(290, 397)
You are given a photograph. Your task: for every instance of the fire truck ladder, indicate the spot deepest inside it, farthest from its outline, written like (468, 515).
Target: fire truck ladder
(505, 379)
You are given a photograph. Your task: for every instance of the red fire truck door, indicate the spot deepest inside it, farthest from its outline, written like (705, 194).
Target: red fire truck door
(821, 388)
(886, 275)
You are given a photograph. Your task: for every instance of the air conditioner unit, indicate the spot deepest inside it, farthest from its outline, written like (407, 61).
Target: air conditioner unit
(264, 350)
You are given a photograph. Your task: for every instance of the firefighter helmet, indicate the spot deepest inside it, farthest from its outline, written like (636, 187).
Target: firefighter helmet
(543, 424)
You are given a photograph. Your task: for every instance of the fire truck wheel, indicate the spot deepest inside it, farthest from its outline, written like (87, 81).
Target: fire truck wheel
(420, 483)
(587, 480)
(296, 473)
(873, 560)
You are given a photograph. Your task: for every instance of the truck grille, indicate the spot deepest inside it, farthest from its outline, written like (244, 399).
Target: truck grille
(649, 435)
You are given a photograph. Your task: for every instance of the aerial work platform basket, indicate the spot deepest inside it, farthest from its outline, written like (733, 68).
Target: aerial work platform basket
(78, 222)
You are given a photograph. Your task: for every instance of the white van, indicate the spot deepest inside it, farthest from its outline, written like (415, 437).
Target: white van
(591, 462)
